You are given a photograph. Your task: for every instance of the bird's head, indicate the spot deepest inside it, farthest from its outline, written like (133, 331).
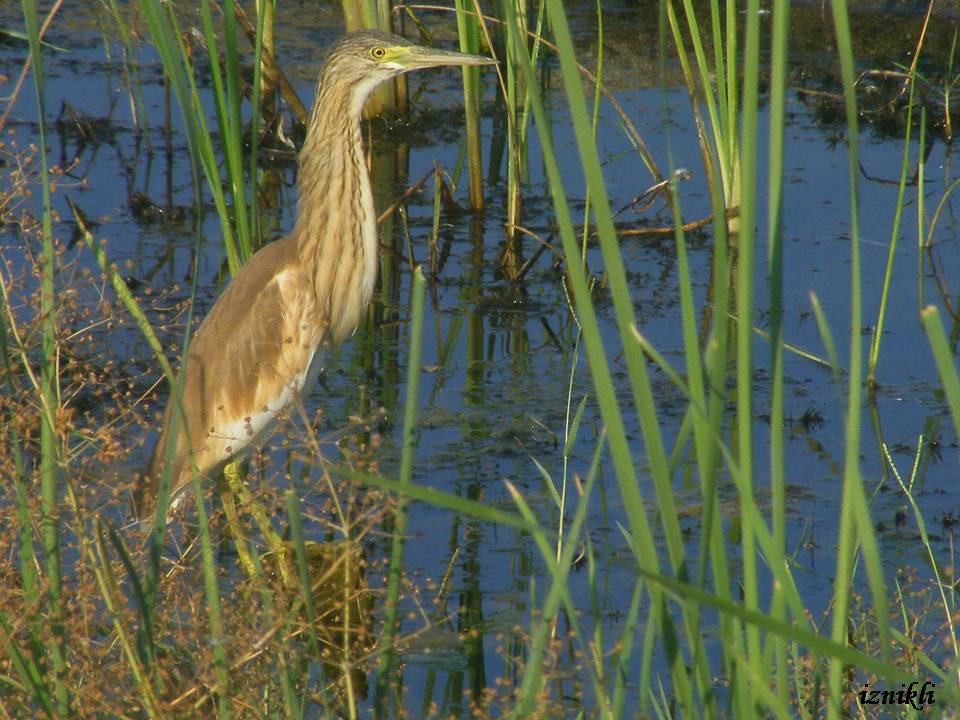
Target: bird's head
(362, 60)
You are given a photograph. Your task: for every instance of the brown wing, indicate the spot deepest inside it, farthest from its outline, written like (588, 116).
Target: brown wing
(258, 335)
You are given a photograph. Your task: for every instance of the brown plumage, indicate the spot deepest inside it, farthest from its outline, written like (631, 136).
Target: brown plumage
(259, 345)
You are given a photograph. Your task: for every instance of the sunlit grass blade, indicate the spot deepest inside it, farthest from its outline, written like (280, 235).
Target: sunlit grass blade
(227, 100)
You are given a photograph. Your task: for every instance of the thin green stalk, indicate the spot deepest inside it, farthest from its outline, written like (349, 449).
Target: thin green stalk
(165, 31)
(469, 33)
(720, 78)
(263, 44)
(112, 597)
(522, 127)
(779, 32)
(944, 357)
(568, 438)
(515, 37)
(877, 337)
(559, 592)
(620, 452)
(744, 298)
(826, 336)
(49, 393)
(385, 677)
(29, 577)
(921, 209)
(712, 551)
(227, 100)
(300, 552)
(137, 109)
(696, 388)
(838, 651)
(211, 591)
(856, 528)
(908, 491)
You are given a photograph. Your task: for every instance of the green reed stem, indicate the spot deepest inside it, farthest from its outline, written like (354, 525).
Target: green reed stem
(385, 677)
(856, 529)
(49, 392)
(596, 354)
(469, 32)
(877, 337)
(779, 32)
(921, 206)
(826, 335)
(300, 554)
(943, 356)
(211, 591)
(165, 31)
(227, 100)
(29, 577)
(745, 245)
(263, 44)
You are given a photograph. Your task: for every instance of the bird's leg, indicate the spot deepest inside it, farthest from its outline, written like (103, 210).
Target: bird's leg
(236, 487)
(231, 474)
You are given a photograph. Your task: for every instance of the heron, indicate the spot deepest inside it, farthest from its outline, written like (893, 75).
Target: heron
(260, 345)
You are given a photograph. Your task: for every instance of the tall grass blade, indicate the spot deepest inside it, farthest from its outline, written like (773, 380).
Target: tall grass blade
(944, 358)
(877, 335)
(49, 393)
(642, 395)
(779, 40)
(856, 528)
(385, 677)
(469, 33)
(211, 591)
(161, 21)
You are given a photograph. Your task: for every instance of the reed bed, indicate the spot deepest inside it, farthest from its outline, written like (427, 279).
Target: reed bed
(300, 605)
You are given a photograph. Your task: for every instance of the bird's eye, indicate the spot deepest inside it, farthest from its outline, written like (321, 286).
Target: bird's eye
(377, 53)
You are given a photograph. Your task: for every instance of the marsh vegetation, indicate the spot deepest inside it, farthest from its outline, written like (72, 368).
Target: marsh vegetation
(655, 412)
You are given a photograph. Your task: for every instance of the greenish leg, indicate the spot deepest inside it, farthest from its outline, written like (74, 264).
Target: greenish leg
(236, 488)
(228, 498)
(230, 510)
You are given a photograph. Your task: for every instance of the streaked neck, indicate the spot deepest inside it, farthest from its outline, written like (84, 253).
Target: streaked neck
(335, 229)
